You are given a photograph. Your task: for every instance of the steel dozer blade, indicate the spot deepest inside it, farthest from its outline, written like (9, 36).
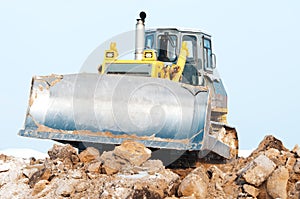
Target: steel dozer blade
(109, 109)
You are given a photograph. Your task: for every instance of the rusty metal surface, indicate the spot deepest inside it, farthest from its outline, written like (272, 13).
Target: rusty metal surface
(112, 108)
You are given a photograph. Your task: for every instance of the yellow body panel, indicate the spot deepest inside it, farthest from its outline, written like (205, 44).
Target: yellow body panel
(159, 68)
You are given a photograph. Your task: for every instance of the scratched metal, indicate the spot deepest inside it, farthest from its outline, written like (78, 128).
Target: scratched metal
(155, 110)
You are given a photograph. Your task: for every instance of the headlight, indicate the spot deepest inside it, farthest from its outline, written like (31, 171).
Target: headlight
(109, 54)
(148, 55)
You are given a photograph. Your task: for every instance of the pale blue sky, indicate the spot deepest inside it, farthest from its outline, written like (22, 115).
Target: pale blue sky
(256, 43)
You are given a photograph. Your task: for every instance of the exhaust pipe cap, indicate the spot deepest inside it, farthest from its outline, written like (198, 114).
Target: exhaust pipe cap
(143, 16)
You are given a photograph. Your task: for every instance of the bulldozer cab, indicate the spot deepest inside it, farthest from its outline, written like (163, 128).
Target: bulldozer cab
(167, 43)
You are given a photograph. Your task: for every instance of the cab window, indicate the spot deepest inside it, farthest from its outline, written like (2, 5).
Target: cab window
(149, 41)
(190, 73)
(207, 54)
(167, 45)
(192, 47)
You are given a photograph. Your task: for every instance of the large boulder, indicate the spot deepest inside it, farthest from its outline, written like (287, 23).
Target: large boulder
(258, 170)
(127, 158)
(277, 183)
(194, 184)
(62, 152)
(134, 152)
(89, 154)
(112, 164)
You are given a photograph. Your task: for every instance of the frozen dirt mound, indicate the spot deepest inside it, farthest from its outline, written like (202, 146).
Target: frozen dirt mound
(271, 171)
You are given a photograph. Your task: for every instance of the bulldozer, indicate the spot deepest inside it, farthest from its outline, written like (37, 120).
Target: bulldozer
(169, 97)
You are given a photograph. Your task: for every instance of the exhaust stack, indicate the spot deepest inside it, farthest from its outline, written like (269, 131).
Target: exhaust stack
(140, 36)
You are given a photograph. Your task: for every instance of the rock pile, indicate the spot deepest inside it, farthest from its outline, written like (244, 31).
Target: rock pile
(271, 171)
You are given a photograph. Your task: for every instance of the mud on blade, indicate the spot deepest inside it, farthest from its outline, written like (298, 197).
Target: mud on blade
(112, 108)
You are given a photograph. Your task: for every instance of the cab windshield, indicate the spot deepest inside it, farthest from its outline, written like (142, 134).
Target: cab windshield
(167, 45)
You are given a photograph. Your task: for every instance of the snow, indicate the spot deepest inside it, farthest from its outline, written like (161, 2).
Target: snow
(23, 153)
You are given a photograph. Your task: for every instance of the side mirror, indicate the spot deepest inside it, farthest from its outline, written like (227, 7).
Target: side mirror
(213, 61)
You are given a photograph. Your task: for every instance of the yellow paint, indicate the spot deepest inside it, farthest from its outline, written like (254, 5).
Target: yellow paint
(159, 69)
(153, 55)
(177, 69)
(220, 110)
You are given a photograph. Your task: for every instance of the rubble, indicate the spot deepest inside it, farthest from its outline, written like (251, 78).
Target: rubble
(194, 184)
(277, 182)
(43, 174)
(258, 170)
(39, 186)
(94, 167)
(296, 150)
(269, 142)
(4, 167)
(112, 163)
(297, 166)
(271, 171)
(65, 188)
(62, 152)
(251, 190)
(290, 164)
(89, 154)
(134, 152)
(297, 186)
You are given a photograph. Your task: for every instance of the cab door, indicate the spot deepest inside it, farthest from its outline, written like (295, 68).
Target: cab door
(190, 72)
(207, 55)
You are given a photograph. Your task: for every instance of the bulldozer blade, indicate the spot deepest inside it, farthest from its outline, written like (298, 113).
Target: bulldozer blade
(109, 109)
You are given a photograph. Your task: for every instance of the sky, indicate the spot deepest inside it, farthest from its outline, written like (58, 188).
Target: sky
(256, 44)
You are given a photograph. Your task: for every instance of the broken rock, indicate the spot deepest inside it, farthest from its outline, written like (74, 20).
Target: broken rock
(75, 174)
(268, 142)
(296, 150)
(43, 174)
(28, 172)
(112, 163)
(65, 189)
(290, 163)
(277, 183)
(61, 152)
(81, 186)
(39, 186)
(251, 190)
(297, 166)
(11, 171)
(257, 171)
(194, 184)
(153, 166)
(94, 167)
(4, 167)
(273, 154)
(297, 186)
(89, 154)
(134, 152)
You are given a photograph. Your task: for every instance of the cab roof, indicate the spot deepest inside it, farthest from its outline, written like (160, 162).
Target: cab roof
(179, 29)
